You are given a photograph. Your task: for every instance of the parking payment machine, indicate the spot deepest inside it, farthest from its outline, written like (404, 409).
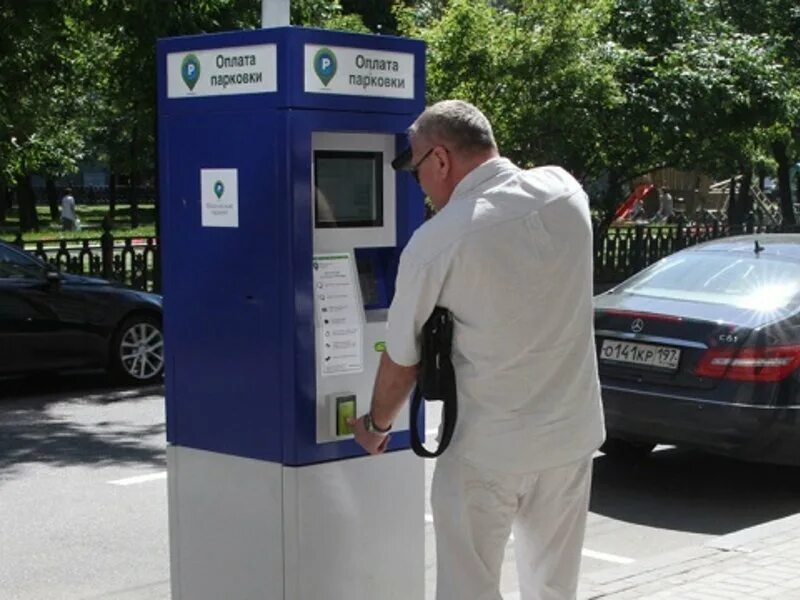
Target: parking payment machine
(282, 225)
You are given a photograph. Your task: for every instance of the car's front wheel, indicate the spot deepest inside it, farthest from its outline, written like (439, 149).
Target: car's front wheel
(137, 350)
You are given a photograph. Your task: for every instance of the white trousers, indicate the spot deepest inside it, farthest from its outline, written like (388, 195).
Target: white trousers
(474, 511)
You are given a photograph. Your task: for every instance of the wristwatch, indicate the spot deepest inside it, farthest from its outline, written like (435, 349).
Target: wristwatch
(369, 425)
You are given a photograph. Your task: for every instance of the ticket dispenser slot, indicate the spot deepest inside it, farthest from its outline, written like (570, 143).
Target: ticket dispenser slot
(377, 271)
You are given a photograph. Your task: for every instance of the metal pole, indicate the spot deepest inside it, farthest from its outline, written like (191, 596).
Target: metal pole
(274, 13)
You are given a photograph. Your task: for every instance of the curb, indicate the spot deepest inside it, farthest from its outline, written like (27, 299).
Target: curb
(680, 566)
(742, 539)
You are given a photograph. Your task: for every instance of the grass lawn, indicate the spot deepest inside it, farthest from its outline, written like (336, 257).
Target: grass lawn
(91, 218)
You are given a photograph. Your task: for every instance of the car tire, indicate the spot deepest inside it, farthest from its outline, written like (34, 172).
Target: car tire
(137, 350)
(617, 448)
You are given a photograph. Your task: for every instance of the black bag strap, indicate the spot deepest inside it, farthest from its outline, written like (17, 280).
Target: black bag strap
(449, 416)
(436, 380)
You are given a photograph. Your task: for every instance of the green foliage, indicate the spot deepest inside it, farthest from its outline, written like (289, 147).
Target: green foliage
(326, 14)
(77, 77)
(612, 89)
(608, 88)
(537, 73)
(377, 16)
(697, 89)
(39, 65)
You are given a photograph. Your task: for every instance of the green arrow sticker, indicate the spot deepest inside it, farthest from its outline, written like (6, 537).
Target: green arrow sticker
(219, 189)
(325, 65)
(190, 70)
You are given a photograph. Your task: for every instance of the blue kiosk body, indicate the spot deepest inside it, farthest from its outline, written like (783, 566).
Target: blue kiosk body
(282, 224)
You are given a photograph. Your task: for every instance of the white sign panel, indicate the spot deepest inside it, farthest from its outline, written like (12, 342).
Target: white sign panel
(219, 197)
(358, 72)
(222, 71)
(338, 315)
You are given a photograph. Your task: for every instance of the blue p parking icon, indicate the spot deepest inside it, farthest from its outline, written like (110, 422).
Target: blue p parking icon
(190, 70)
(325, 65)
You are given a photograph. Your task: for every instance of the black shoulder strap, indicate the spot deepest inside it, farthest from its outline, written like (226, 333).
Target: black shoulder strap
(449, 416)
(436, 381)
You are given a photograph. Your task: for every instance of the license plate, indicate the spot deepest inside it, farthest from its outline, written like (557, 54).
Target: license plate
(634, 353)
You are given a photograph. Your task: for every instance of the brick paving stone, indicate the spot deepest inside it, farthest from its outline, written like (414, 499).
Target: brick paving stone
(701, 595)
(760, 563)
(757, 575)
(773, 593)
(701, 572)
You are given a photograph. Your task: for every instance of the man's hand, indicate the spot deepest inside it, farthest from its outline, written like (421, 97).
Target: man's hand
(373, 442)
(392, 386)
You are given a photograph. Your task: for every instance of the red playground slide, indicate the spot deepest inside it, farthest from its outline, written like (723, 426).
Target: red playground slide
(626, 207)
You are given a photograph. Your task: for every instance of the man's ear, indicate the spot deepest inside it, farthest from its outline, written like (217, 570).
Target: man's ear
(444, 159)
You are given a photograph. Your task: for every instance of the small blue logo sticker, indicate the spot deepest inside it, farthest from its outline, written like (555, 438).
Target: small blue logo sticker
(325, 65)
(190, 70)
(219, 189)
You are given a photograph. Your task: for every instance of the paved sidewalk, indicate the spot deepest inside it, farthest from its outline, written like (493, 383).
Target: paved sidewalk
(754, 564)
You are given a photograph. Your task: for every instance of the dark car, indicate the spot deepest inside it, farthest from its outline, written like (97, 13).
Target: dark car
(52, 321)
(702, 350)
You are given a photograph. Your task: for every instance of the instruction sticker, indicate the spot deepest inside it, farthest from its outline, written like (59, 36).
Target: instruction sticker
(338, 315)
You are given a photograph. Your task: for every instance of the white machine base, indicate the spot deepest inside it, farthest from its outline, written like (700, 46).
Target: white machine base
(243, 529)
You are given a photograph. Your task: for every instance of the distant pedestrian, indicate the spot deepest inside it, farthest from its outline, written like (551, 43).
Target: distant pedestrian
(637, 210)
(68, 212)
(666, 206)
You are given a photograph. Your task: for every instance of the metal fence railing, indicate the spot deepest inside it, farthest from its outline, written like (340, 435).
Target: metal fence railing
(619, 252)
(134, 262)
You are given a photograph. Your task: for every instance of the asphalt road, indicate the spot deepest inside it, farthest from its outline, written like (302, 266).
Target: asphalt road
(83, 496)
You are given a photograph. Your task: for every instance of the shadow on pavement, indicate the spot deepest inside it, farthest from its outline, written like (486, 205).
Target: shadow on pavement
(46, 384)
(689, 491)
(71, 420)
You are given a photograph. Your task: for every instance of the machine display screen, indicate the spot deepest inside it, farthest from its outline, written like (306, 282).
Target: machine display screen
(348, 189)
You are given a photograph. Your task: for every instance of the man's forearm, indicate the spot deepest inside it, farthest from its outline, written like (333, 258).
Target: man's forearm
(392, 386)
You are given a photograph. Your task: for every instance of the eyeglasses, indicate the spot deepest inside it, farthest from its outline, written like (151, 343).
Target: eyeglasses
(415, 167)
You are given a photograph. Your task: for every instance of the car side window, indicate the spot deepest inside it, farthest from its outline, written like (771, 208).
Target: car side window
(16, 265)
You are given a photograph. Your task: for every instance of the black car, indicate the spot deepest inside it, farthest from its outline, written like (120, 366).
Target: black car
(52, 321)
(702, 350)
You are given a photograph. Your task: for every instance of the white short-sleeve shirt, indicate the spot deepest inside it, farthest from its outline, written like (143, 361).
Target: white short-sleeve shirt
(511, 256)
(68, 208)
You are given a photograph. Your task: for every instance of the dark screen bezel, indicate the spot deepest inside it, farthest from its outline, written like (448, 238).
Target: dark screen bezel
(377, 160)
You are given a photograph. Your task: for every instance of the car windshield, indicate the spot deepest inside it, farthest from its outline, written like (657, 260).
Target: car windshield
(753, 282)
(17, 265)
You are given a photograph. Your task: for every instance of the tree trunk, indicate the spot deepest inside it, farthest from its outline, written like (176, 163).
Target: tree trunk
(28, 219)
(733, 209)
(133, 181)
(52, 199)
(744, 203)
(133, 198)
(4, 201)
(611, 200)
(112, 194)
(797, 186)
(157, 200)
(784, 182)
